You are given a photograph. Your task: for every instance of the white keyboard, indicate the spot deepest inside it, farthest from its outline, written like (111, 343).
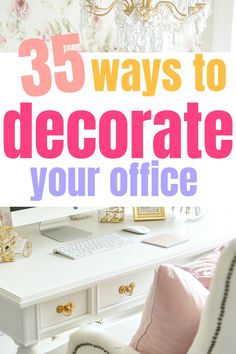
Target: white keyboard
(93, 246)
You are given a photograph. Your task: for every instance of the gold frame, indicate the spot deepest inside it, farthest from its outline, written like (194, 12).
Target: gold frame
(140, 214)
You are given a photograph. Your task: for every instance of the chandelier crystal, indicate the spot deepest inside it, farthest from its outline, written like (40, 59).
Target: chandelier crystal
(152, 25)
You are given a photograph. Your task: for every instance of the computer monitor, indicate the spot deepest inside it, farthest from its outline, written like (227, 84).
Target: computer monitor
(52, 221)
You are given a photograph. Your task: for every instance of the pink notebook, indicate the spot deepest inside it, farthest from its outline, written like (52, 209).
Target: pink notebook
(166, 240)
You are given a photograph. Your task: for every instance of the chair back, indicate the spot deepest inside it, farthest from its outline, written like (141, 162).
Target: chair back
(216, 334)
(90, 340)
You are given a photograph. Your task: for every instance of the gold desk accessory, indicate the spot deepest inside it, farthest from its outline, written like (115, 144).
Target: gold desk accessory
(12, 244)
(7, 244)
(111, 215)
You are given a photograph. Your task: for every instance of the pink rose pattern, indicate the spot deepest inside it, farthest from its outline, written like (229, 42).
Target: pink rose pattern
(5, 216)
(2, 41)
(21, 9)
(18, 24)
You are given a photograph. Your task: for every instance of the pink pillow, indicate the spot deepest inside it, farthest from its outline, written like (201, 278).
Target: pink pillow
(203, 267)
(172, 313)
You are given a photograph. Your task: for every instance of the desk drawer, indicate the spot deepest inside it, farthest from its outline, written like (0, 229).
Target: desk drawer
(64, 308)
(124, 289)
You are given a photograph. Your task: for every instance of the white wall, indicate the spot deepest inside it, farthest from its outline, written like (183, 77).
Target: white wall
(220, 35)
(233, 38)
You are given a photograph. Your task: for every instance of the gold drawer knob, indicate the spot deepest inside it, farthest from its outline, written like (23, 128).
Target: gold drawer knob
(66, 309)
(127, 290)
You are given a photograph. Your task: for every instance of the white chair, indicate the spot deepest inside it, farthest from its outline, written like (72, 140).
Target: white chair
(96, 341)
(216, 334)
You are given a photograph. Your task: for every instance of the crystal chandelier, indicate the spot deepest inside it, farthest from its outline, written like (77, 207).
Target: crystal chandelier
(145, 8)
(152, 25)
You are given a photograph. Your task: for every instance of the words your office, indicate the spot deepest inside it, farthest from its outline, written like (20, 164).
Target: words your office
(140, 179)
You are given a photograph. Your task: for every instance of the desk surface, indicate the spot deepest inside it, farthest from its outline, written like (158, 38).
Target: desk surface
(29, 279)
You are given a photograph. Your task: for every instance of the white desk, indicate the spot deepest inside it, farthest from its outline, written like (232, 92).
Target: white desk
(32, 288)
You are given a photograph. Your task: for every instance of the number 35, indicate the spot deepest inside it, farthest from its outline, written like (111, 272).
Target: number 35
(61, 56)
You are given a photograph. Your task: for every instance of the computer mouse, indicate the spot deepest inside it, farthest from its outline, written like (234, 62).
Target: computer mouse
(137, 229)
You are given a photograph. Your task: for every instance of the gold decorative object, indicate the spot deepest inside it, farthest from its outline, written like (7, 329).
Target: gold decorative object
(127, 290)
(66, 309)
(145, 8)
(149, 213)
(7, 244)
(111, 215)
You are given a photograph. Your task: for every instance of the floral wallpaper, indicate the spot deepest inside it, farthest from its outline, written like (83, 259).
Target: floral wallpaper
(21, 19)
